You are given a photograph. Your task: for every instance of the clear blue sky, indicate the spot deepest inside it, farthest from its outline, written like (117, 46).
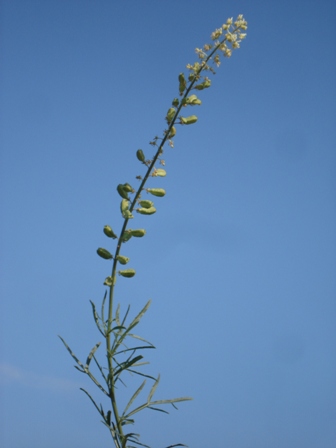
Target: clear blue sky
(240, 258)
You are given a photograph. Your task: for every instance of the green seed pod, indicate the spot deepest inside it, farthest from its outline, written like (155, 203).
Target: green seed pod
(124, 209)
(188, 120)
(172, 132)
(122, 259)
(183, 83)
(126, 236)
(175, 102)
(128, 188)
(204, 85)
(157, 191)
(127, 273)
(146, 204)
(170, 115)
(104, 253)
(109, 232)
(109, 281)
(139, 232)
(191, 77)
(140, 155)
(146, 211)
(122, 192)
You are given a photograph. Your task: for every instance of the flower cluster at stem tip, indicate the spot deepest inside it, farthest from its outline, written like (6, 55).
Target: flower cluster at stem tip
(231, 31)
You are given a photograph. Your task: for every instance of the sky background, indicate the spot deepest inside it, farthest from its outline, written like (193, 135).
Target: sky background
(240, 258)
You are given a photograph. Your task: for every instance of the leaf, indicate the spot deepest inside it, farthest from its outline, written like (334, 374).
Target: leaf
(92, 352)
(141, 347)
(117, 314)
(134, 322)
(72, 354)
(125, 365)
(102, 308)
(101, 412)
(158, 402)
(96, 317)
(136, 393)
(153, 389)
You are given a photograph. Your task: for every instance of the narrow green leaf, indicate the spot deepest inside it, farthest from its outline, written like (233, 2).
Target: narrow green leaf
(136, 393)
(153, 389)
(96, 318)
(117, 314)
(101, 369)
(103, 307)
(133, 349)
(72, 354)
(142, 374)
(94, 403)
(92, 352)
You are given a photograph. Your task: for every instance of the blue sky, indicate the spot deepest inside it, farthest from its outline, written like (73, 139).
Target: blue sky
(240, 258)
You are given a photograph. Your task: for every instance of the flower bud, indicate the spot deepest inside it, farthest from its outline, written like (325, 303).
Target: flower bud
(159, 172)
(146, 204)
(128, 188)
(175, 102)
(204, 85)
(140, 155)
(122, 259)
(146, 211)
(156, 191)
(109, 281)
(126, 236)
(188, 120)
(138, 232)
(170, 115)
(124, 209)
(172, 132)
(109, 232)
(104, 253)
(127, 273)
(183, 83)
(122, 191)
(194, 101)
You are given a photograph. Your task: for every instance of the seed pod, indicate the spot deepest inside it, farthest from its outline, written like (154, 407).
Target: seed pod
(146, 204)
(188, 120)
(170, 115)
(156, 191)
(109, 281)
(122, 192)
(175, 102)
(104, 253)
(140, 155)
(128, 188)
(109, 232)
(127, 273)
(124, 209)
(172, 132)
(183, 83)
(191, 77)
(138, 232)
(126, 236)
(204, 85)
(159, 172)
(146, 211)
(122, 259)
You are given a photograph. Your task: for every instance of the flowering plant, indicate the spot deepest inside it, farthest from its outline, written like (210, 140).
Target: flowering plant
(113, 328)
